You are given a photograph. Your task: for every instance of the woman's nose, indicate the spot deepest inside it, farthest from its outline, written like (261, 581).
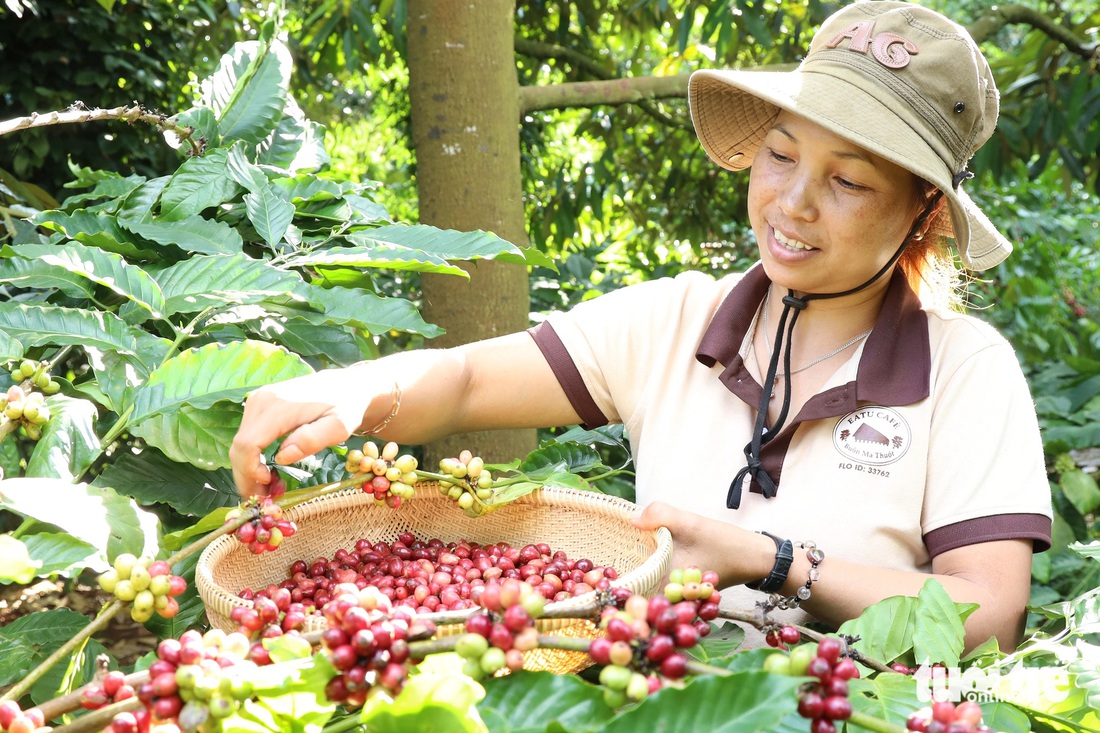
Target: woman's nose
(798, 197)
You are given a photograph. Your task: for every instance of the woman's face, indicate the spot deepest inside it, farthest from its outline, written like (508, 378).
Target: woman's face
(827, 214)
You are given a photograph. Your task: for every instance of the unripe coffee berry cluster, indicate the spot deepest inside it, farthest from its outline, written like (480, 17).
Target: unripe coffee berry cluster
(267, 529)
(947, 717)
(29, 408)
(111, 688)
(37, 374)
(644, 638)
(272, 614)
(467, 482)
(498, 638)
(15, 720)
(147, 584)
(826, 700)
(195, 681)
(394, 475)
(367, 642)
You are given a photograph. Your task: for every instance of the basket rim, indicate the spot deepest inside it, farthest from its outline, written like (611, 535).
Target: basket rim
(216, 598)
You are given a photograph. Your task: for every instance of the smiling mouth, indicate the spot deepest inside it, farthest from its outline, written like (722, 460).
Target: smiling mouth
(791, 244)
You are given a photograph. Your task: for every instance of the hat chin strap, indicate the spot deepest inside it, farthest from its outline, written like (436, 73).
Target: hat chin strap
(792, 306)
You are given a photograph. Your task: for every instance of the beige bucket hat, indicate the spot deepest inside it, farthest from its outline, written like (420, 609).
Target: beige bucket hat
(894, 78)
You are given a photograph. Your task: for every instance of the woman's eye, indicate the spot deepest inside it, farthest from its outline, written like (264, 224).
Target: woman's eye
(779, 157)
(845, 183)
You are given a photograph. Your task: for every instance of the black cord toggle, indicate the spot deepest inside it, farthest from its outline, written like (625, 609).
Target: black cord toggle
(796, 303)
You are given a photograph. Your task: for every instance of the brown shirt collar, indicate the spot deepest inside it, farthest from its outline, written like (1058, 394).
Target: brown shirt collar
(893, 370)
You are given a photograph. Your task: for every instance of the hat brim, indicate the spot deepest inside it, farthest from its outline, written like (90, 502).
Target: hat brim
(733, 110)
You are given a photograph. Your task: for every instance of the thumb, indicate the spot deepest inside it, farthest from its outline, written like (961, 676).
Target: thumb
(307, 439)
(651, 516)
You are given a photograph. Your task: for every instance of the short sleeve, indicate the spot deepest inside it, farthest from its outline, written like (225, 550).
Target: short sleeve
(618, 343)
(986, 471)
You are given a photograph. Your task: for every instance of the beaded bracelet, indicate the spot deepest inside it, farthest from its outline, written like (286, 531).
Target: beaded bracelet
(393, 413)
(816, 557)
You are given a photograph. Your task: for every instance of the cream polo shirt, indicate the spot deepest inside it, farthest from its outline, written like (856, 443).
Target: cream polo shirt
(924, 440)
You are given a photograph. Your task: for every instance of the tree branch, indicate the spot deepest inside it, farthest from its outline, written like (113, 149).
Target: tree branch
(538, 50)
(594, 93)
(999, 16)
(79, 113)
(610, 90)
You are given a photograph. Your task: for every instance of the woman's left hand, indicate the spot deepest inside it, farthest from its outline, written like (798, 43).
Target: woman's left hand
(736, 554)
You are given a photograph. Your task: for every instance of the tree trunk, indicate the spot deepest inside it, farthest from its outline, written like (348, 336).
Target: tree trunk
(464, 94)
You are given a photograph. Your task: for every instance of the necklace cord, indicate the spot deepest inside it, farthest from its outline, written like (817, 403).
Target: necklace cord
(792, 306)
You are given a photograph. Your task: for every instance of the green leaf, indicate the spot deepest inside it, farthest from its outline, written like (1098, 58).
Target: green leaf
(59, 680)
(200, 437)
(890, 697)
(96, 230)
(10, 347)
(44, 325)
(295, 144)
(1081, 490)
(450, 244)
(1092, 549)
(885, 629)
(287, 648)
(16, 562)
(512, 491)
(35, 274)
(193, 233)
(27, 641)
(204, 123)
(151, 478)
(938, 633)
(103, 268)
(375, 255)
(291, 696)
(197, 185)
(366, 310)
(139, 204)
(97, 516)
(723, 642)
(743, 702)
(335, 344)
(200, 377)
(1004, 718)
(203, 281)
(63, 554)
(206, 525)
(248, 91)
(530, 702)
(428, 703)
(269, 213)
(561, 457)
(69, 444)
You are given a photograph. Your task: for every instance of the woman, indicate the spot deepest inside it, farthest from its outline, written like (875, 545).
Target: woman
(890, 442)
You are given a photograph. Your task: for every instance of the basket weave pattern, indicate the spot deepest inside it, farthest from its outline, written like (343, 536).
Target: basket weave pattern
(583, 524)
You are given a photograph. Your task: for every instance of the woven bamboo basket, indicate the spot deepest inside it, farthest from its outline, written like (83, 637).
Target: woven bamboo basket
(581, 523)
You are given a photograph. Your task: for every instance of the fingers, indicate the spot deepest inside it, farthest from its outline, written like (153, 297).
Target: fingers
(309, 438)
(268, 415)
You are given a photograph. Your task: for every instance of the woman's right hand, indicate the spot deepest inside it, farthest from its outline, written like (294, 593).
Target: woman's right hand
(313, 412)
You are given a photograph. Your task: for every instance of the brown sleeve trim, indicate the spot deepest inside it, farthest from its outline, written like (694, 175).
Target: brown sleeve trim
(1035, 527)
(565, 369)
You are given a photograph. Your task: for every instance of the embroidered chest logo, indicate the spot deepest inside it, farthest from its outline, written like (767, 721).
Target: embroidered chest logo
(873, 435)
(889, 49)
